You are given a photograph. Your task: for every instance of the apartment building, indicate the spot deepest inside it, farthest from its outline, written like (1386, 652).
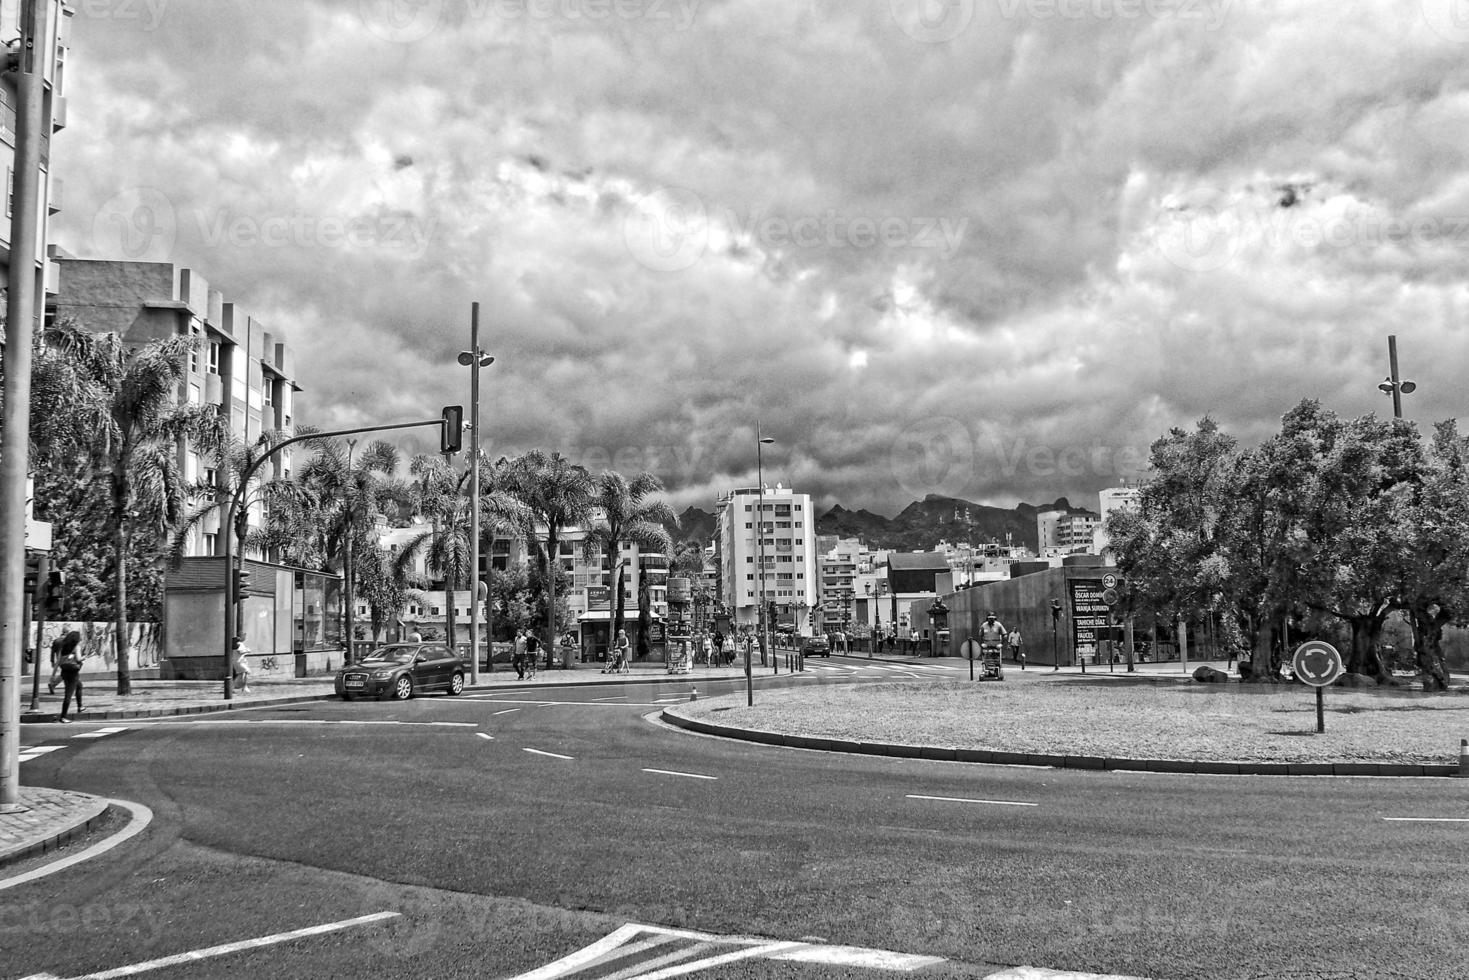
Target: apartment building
(1065, 532)
(58, 22)
(780, 525)
(239, 365)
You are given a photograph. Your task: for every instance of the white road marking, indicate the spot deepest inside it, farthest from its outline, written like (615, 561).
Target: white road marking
(959, 799)
(553, 755)
(631, 939)
(201, 954)
(100, 733)
(670, 772)
(142, 816)
(36, 751)
(507, 711)
(1428, 819)
(620, 697)
(1036, 973)
(483, 735)
(260, 722)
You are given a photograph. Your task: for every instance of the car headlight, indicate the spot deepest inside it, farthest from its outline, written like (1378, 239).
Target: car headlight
(381, 675)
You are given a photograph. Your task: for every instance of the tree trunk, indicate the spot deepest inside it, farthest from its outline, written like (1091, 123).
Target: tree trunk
(120, 618)
(619, 609)
(1429, 620)
(1363, 658)
(1264, 661)
(553, 561)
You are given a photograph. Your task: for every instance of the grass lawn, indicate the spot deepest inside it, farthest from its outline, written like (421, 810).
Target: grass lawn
(1117, 719)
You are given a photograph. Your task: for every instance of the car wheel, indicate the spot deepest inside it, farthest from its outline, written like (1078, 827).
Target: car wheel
(456, 684)
(403, 688)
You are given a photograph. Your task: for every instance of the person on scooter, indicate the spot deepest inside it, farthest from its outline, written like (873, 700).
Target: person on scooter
(991, 631)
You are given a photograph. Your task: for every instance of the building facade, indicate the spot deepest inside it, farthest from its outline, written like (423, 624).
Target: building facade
(782, 527)
(58, 24)
(1065, 532)
(240, 366)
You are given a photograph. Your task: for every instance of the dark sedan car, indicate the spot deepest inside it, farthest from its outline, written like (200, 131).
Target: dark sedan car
(815, 646)
(401, 670)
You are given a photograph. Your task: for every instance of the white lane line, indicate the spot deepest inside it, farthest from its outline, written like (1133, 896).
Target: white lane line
(670, 772)
(960, 799)
(1428, 819)
(768, 950)
(195, 956)
(506, 711)
(142, 817)
(484, 736)
(584, 957)
(620, 697)
(856, 956)
(259, 722)
(552, 755)
(100, 733)
(667, 959)
(1036, 973)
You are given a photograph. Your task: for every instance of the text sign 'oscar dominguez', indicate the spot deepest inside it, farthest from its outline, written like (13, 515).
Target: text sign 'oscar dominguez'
(1089, 614)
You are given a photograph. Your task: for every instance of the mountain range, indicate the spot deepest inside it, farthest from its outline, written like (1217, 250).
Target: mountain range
(919, 526)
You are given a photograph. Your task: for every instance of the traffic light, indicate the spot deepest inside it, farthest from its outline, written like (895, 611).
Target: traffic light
(1055, 609)
(451, 438)
(773, 614)
(242, 582)
(33, 573)
(54, 582)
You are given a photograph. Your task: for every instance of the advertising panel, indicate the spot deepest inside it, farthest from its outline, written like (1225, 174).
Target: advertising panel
(1089, 615)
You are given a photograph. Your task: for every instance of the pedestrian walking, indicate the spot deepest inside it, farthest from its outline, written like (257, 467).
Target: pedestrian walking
(240, 666)
(532, 652)
(517, 658)
(71, 673)
(1016, 654)
(55, 665)
(568, 649)
(621, 649)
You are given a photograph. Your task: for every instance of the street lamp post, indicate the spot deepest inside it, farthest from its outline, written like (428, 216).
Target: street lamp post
(474, 359)
(1056, 634)
(761, 440)
(1392, 385)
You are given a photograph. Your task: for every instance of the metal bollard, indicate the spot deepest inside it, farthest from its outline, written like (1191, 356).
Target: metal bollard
(1464, 757)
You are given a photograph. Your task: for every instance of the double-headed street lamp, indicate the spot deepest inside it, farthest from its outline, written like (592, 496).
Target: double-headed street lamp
(474, 359)
(761, 441)
(1392, 385)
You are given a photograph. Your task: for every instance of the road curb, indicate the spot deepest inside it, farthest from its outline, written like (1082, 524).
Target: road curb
(1093, 763)
(77, 826)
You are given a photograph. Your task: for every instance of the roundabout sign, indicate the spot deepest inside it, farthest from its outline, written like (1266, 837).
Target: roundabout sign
(1318, 664)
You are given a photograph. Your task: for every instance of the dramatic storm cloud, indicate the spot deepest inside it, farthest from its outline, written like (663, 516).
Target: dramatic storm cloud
(988, 248)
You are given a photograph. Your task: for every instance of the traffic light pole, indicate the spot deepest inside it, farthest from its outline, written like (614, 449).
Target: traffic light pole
(231, 560)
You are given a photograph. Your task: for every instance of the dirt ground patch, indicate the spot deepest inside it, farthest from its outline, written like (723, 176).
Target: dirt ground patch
(1117, 720)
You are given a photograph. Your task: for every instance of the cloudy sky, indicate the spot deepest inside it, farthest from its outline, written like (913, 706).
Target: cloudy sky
(987, 248)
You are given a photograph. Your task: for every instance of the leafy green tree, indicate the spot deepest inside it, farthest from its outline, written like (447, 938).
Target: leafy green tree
(350, 495)
(232, 458)
(556, 495)
(124, 417)
(627, 513)
(1434, 571)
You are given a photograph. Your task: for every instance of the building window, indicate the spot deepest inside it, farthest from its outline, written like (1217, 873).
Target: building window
(433, 610)
(194, 333)
(211, 476)
(267, 391)
(214, 357)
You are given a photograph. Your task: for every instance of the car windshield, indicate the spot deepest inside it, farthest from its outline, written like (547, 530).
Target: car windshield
(392, 655)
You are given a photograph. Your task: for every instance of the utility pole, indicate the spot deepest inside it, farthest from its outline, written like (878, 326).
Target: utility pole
(28, 61)
(475, 359)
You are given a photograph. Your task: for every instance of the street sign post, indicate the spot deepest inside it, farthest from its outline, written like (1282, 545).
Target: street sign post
(1109, 581)
(1318, 664)
(970, 649)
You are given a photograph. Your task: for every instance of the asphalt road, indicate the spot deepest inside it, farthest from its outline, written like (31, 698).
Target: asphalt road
(501, 832)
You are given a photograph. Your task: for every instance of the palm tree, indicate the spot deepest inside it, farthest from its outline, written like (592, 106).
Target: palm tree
(557, 494)
(351, 494)
(627, 515)
(232, 458)
(128, 401)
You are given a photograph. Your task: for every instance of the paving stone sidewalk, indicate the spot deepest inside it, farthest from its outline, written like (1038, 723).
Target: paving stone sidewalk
(43, 819)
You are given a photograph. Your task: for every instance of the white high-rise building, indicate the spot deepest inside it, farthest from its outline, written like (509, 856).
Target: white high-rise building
(1109, 500)
(787, 526)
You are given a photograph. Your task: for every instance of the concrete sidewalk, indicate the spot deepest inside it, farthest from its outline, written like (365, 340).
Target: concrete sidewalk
(44, 819)
(153, 699)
